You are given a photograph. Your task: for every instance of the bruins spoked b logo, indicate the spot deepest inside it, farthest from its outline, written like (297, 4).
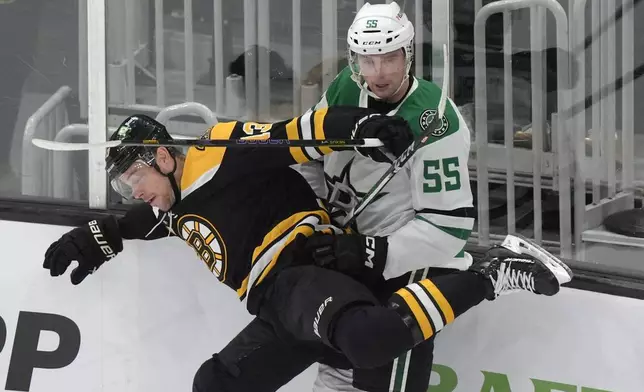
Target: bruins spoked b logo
(202, 236)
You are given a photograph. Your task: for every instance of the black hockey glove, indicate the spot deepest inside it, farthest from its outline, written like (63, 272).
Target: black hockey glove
(393, 131)
(91, 245)
(359, 256)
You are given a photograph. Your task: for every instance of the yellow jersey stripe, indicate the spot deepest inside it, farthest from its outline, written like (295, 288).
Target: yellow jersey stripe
(261, 136)
(319, 128)
(287, 224)
(292, 132)
(276, 235)
(440, 299)
(201, 161)
(241, 291)
(417, 311)
(265, 259)
(304, 229)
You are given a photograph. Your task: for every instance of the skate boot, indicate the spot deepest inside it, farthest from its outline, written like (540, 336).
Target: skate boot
(520, 265)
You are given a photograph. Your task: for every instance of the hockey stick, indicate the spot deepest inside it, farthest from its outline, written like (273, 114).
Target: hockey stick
(409, 152)
(349, 143)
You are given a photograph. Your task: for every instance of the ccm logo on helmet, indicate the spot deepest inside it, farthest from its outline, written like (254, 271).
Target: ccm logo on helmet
(371, 42)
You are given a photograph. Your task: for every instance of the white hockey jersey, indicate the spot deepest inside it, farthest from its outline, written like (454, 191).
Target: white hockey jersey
(426, 211)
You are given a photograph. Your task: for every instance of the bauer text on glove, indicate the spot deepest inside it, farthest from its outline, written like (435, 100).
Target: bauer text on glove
(90, 245)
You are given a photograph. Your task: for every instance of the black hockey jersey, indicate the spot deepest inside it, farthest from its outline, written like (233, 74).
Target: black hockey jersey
(240, 207)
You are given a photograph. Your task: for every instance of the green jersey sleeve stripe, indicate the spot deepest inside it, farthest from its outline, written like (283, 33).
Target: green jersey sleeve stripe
(462, 234)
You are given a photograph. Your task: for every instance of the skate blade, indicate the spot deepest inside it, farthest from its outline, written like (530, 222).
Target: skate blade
(513, 241)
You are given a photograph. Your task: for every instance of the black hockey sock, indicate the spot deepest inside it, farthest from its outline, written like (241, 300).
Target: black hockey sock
(429, 305)
(370, 335)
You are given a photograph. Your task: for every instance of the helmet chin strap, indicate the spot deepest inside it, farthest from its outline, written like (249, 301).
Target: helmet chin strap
(361, 82)
(173, 181)
(365, 87)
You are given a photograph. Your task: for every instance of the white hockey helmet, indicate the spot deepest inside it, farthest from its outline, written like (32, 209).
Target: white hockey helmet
(379, 29)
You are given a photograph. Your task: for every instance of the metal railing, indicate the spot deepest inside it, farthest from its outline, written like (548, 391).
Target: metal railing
(256, 95)
(557, 165)
(563, 167)
(610, 192)
(37, 168)
(568, 168)
(64, 182)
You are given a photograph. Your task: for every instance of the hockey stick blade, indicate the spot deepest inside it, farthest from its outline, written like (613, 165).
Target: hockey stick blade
(62, 146)
(349, 143)
(399, 162)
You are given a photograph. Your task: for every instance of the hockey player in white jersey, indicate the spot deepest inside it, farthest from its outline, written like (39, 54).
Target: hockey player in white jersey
(425, 214)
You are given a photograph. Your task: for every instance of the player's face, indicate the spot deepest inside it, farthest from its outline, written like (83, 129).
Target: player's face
(149, 185)
(383, 72)
(154, 189)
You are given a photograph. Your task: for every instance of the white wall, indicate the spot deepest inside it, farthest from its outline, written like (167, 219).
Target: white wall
(147, 320)
(150, 317)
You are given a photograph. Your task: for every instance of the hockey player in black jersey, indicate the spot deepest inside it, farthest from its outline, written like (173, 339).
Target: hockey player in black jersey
(259, 228)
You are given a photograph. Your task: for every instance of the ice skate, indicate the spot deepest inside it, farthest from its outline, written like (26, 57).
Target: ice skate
(520, 265)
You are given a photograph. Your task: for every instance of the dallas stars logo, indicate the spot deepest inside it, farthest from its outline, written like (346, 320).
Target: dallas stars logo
(426, 119)
(342, 196)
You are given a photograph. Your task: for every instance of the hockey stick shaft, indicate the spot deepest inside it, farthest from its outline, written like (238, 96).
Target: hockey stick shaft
(400, 162)
(281, 143)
